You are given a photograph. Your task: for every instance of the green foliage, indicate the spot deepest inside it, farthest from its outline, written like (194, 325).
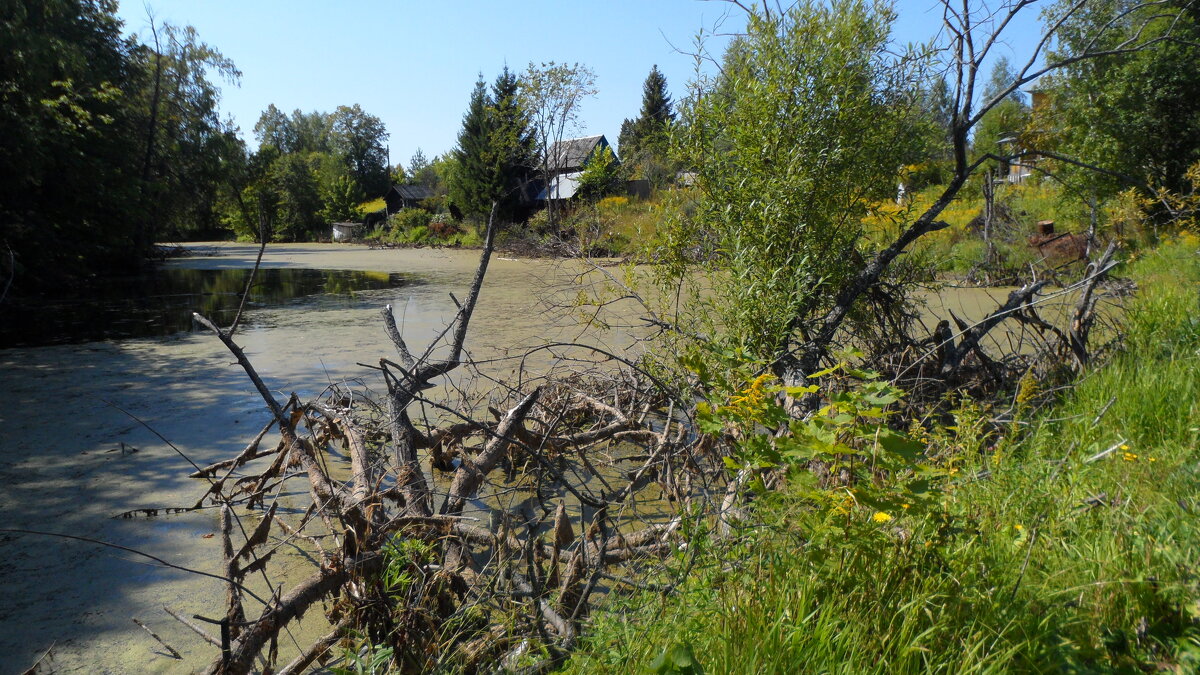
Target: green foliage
(403, 558)
(409, 219)
(1007, 121)
(678, 659)
(474, 186)
(810, 120)
(645, 142)
(358, 138)
(365, 658)
(960, 248)
(342, 198)
(420, 171)
(1137, 114)
(1004, 129)
(849, 438)
(296, 211)
(1038, 557)
(109, 144)
(495, 153)
(601, 175)
(310, 169)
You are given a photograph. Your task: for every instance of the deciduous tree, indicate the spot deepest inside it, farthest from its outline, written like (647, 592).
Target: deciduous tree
(359, 138)
(1135, 115)
(551, 94)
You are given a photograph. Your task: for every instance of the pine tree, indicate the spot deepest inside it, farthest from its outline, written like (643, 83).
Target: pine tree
(513, 143)
(644, 141)
(477, 179)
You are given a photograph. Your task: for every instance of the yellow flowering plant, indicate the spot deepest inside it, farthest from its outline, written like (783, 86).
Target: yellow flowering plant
(844, 460)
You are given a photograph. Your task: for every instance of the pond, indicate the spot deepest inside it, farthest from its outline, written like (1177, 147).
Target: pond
(104, 379)
(160, 303)
(109, 395)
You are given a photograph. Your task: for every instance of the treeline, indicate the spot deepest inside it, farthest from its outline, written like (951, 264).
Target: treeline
(310, 169)
(112, 143)
(109, 143)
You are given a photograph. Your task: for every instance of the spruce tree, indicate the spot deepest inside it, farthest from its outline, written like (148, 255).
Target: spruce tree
(495, 151)
(657, 112)
(644, 142)
(513, 143)
(477, 181)
(627, 140)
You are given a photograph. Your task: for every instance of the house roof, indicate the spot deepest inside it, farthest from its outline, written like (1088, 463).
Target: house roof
(414, 192)
(571, 154)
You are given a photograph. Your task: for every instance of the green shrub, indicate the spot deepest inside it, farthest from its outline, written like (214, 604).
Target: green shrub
(1069, 548)
(409, 219)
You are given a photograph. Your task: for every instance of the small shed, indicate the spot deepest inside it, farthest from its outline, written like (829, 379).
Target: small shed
(343, 231)
(406, 197)
(639, 188)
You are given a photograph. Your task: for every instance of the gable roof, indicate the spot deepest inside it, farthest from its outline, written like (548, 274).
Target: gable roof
(412, 192)
(572, 153)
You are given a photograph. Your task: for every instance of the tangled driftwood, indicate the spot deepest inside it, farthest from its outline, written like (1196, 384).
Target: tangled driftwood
(541, 566)
(513, 590)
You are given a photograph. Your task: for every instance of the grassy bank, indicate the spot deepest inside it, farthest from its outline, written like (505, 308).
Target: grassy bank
(1033, 559)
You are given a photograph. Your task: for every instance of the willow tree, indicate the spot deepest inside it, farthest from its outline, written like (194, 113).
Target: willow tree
(806, 126)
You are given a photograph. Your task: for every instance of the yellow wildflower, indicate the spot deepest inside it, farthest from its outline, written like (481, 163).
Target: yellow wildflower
(1018, 527)
(881, 517)
(752, 398)
(1129, 457)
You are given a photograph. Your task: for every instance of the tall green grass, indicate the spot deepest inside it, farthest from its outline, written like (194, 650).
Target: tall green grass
(1038, 561)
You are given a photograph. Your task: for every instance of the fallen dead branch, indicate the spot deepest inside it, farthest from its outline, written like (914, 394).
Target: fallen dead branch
(544, 490)
(475, 551)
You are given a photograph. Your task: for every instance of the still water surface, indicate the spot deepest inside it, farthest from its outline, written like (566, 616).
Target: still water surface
(93, 386)
(92, 378)
(161, 303)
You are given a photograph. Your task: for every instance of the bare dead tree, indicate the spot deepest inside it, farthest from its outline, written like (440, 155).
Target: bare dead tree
(973, 32)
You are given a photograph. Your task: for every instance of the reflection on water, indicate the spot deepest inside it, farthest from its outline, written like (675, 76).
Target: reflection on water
(162, 303)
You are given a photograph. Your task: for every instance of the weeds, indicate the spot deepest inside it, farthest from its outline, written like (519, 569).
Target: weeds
(1034, 556)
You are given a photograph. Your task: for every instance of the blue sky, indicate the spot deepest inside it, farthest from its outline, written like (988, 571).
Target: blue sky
(413, 64)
